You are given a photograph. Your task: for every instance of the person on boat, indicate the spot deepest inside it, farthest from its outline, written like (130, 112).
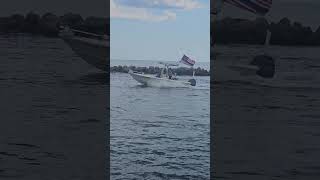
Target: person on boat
(175, 76)
(169, 73)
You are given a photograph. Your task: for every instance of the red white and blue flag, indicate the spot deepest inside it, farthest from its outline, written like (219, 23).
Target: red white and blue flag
(260, 7)
(186, 60)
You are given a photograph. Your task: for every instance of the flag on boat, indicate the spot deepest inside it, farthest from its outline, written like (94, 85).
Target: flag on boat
(260, 7)
(186, 60)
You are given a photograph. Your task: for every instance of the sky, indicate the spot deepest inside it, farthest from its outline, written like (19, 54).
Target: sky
(161, 30)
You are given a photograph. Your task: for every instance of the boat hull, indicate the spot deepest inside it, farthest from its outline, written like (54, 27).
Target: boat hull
(152, 81)
(94, 52)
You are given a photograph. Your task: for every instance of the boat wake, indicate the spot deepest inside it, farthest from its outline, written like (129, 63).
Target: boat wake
(281, 84)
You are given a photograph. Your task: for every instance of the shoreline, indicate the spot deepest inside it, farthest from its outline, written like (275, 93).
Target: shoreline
(48, 23)
(181, 71)
(285, 32)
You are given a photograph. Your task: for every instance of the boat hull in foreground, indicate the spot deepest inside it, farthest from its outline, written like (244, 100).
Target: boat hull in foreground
(92, 51)
(149, 80)
(93, 48)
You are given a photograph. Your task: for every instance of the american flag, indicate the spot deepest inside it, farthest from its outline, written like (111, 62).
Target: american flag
(186, 60)
(260, 7)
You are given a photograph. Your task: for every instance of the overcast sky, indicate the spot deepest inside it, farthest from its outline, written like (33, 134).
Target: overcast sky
(160, 29)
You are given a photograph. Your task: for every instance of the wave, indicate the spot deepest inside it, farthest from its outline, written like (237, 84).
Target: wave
(271, 84)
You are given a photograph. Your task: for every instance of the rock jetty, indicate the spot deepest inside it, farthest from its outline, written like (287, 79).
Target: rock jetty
(181, 71)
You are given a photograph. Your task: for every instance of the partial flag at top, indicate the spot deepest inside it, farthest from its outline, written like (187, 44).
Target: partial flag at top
(260, 7)
(187, 61)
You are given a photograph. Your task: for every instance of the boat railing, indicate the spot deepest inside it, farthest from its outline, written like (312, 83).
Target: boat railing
(168, 64)
(90, 34)
(94, 35)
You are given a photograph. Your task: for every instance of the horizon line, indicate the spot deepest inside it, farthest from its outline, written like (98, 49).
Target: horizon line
(151, 60)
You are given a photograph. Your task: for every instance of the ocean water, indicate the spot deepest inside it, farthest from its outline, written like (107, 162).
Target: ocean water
(53, 110)
(267, 129)
(295, 66)
(159, 133)
(156, 133)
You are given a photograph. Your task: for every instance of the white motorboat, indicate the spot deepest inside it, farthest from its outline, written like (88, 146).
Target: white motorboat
(92, 48)
(165, 79)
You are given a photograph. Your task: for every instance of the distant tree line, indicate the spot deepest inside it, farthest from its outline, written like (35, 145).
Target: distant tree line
(284, 32)
(225, 31)
(155, 70)
(48, 24)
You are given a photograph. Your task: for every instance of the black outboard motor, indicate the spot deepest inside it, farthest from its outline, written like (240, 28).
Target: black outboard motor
(192, 82)
(266, 65)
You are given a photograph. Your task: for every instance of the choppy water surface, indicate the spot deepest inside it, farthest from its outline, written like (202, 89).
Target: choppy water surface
(159, 133)
(52, 110)
(268, 129)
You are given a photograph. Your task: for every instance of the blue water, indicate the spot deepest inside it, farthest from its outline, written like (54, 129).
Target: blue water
(159, 133)
(268, 129)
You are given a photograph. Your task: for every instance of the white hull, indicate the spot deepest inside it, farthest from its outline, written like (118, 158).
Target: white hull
(152, 81)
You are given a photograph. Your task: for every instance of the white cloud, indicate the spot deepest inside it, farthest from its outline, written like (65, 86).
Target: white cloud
(141, 9)
(183, 4)
(162, 4)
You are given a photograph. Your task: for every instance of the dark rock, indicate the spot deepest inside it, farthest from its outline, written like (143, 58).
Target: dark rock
(266, 65)
(155, 70)
(285, 22)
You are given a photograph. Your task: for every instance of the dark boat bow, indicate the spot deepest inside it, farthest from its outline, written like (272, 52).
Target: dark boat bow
(93, 48)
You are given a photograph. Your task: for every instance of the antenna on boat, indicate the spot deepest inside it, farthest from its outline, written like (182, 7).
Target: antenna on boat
(268, 34)
(268, 37)
(180, 53)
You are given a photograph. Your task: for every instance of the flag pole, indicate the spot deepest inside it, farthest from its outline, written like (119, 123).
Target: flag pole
(180, 54)
(268, 35)
(193, 72)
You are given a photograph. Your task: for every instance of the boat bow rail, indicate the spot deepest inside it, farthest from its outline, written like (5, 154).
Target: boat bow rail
(91, 47)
